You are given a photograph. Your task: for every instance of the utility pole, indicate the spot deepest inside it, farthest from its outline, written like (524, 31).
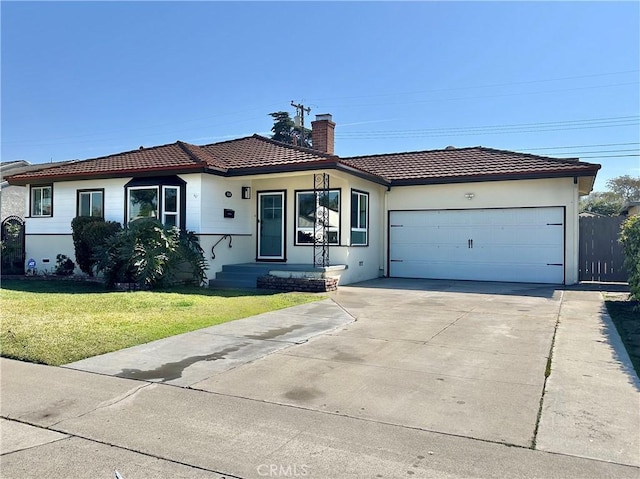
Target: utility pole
(300, 111)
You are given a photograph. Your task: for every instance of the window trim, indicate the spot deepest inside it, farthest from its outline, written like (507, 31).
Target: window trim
(128, 201)
(359, 194)
(159, 183)
(162, 207)
(32, 188)
(79, 193)
(295, 217)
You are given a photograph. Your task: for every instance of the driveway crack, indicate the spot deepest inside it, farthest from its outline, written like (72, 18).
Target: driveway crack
(108, 403)
(547, 373)
(447, 326)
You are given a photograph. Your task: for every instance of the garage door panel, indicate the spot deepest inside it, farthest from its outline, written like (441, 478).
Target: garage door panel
(517, 244)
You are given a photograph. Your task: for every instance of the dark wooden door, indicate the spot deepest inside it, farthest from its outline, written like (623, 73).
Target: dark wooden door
(601, 256)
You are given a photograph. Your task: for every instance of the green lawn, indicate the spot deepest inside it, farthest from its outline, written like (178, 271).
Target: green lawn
(58, 322)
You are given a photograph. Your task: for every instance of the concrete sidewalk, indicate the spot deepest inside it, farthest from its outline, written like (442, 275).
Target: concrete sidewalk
(61, 423)
(591, 405)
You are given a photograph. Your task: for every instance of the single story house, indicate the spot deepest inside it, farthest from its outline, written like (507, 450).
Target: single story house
(457, 213)
(630, 208)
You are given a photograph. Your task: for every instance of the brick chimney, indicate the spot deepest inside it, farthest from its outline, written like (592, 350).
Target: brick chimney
(322, 133)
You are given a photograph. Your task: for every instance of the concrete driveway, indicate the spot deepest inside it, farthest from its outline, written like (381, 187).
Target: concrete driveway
(463, 358)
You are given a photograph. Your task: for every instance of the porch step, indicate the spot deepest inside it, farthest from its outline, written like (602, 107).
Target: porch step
(239, 275)
(246, 275)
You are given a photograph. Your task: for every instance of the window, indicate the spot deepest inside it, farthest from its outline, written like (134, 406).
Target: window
(170, 205)
(143, 203)
(359, 218)
(312, 207)
(41, 200)
(91, 203)
(162, 198)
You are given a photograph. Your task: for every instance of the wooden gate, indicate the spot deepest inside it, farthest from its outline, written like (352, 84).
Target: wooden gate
(12, 235)
(601, 257)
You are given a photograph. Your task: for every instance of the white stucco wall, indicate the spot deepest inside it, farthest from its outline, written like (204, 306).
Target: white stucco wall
(206, 201)
(499, 194)
(205, 204)
(364, 262)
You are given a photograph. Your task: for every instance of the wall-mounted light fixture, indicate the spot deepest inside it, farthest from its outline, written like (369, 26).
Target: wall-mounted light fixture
(469, 196)
(246, 192)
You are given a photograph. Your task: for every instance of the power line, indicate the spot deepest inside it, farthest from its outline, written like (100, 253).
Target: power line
(503, 126)
(497, 95)
(489, 130)
(580, 146)
(439, 90)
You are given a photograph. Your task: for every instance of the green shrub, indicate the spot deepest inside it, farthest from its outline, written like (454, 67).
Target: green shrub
(64, 266)
(151, 255)
(630, 239)
(90, 232)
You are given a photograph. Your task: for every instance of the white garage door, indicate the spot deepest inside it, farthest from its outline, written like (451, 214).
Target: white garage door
(514, 244)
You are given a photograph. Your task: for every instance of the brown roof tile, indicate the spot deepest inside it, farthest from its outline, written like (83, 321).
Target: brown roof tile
(175, 156)
(259, 152)
(464, 164)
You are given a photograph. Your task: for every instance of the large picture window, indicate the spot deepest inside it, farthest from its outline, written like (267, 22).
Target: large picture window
(143, 202)
(162, 198)
(312, 206)
(42, 200)
(359, 218)
(91, 203)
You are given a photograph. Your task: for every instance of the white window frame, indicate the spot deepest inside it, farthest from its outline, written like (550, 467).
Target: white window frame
(165, 213)
(41, 213)
(133, 188)
(91, 202)
(359, 228)
(309, 230)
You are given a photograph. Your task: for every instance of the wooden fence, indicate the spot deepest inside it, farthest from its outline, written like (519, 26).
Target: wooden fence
(601, 257)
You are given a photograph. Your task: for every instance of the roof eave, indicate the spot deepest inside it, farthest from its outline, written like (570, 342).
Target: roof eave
(380, 180)
(137, 172)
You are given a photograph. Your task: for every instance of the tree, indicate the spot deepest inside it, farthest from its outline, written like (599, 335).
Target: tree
(285, 130)
(609, 203)
(626, 187)
(603, 203)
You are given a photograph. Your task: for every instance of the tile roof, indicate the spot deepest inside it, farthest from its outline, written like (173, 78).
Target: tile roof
(465, 164)
(257, 154)
(243, 154)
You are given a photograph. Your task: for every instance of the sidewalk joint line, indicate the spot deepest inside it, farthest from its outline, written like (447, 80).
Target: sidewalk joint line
(547, 373)
(97, 441)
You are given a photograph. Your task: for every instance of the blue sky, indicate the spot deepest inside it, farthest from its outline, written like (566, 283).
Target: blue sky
(87, 79)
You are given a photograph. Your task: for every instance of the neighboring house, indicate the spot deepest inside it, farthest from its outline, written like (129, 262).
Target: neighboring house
(630, 208)
(13, 197)
(458, 213)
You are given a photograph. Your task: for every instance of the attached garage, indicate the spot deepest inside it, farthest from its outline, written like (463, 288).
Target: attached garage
(493, 244)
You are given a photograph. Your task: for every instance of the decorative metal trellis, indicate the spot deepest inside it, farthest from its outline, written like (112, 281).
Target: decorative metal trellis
(321, 220)
(12, 236)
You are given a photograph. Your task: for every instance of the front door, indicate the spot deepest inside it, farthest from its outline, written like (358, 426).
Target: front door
(271, 225)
